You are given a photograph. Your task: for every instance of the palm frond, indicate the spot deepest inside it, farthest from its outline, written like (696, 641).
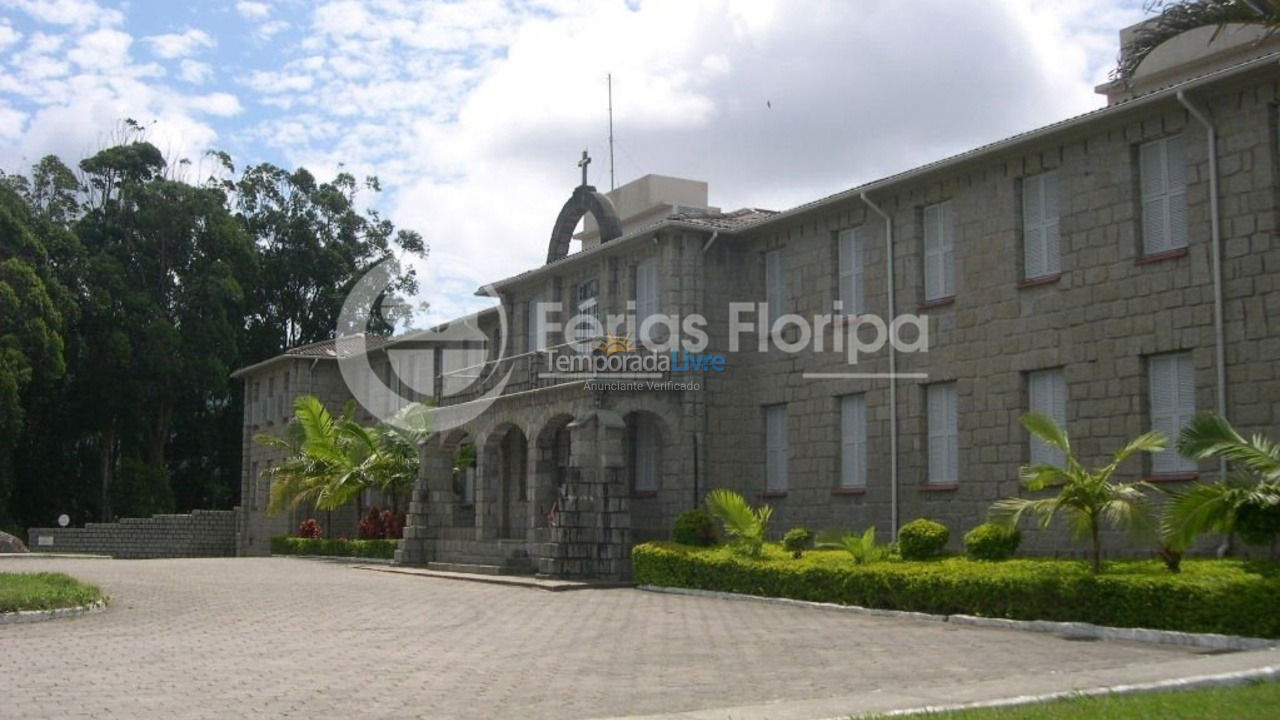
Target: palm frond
(1044, 427)
(1209, 434)
(1178, 17)
(1008, 512)
(732, 510)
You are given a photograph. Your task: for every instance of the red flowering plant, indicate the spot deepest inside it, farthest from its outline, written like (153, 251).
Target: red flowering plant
(310, 529)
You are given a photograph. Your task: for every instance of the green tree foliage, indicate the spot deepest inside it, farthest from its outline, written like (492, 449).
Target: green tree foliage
(313, 244)
(127, 296)
(1086, 497)
(331, 461)
(1250, 493)
(744, 524)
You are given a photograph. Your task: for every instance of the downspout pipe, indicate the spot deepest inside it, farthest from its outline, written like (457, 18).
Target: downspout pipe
(893, 369)
(1215, 233)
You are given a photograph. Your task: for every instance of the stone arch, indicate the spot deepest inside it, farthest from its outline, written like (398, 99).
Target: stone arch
(551, 466)
(504, 479)
(584, 200)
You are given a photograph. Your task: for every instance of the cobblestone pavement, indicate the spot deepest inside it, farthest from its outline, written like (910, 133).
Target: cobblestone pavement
(276, 637)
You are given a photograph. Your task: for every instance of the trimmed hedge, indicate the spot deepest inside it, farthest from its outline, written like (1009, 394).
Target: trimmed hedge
(283, 545)
(922, 539)
(1220, 596)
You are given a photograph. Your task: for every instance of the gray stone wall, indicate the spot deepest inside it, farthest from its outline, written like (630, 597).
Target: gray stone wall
(202, 533)
(1100, 321)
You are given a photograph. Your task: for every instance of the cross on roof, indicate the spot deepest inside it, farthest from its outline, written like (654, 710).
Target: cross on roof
(583, 163)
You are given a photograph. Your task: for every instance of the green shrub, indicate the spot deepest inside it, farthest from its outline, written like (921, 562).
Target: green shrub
(745, 524)
(796, 541)
(1221, 596)
(922, 539)
(863, 548)
(384, 549)
(991, 542)
(1258, 524)
(694, 527)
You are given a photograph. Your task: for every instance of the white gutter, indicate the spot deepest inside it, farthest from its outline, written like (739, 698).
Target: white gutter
(711, 241)
(893, 370)
(1215, 238)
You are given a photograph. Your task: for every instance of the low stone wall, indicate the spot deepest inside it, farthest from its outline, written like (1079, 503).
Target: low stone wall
(203, 533)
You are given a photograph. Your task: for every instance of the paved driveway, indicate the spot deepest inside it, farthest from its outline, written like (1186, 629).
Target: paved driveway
(276, 637)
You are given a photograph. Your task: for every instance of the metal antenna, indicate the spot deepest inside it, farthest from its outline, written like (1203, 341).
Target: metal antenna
(610, 79)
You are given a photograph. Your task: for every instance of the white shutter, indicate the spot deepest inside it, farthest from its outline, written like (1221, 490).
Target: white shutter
(1163, 170)
(932, 252)
(1040, 235)
(1176, 182)
(776, 448)
(647, 286)
(1033, 226)
(1047, 391)
(1172, 397)
(775, 281)
(943, 434)
(852, 271)
(939, 251)
(948, 249)
(853, 441)
(534, 324)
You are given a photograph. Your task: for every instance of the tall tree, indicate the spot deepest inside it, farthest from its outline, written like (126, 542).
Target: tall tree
(313, 244)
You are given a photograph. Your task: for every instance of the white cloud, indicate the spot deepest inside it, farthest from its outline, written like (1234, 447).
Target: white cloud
(267, 30)
(184, 44)
(221, 104)
(8, 36)
(194, 71)
(77, 13)
(253, 10)
(12, 122)
(101, 50)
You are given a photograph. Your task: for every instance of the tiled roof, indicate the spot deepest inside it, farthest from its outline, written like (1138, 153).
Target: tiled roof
(724, 220)
(329, 348)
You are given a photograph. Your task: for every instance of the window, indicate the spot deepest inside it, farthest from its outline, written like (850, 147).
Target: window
(253, 484)
(647, 288)
(775, 283)
(645, 451)
(1047, 393)
(587, 306)
(255, 402)
(537, 333)
(1040, 237)
(939, 251)
(1173, 401)
(852, 271)
(944, 455)
(1163, 172)
(775, 442)
(285, 409)
(853, 441)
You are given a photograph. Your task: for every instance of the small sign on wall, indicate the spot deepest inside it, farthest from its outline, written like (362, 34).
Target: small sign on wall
(44, 540)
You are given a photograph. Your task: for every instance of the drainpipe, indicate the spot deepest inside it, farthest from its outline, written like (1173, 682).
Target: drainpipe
(893, 371)
(1215, 232)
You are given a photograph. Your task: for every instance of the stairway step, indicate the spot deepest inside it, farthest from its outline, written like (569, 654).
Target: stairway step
(475, 569)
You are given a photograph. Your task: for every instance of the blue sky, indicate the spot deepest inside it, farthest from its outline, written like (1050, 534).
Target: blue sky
(473, 114)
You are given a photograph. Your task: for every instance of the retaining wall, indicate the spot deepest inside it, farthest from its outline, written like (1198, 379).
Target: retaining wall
(203, 533)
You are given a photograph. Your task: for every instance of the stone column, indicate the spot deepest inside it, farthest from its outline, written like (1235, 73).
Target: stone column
(432, 506)
(592, 538)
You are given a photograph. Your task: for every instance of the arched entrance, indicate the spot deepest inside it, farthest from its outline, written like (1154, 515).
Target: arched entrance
(509, 460)
(551, 470)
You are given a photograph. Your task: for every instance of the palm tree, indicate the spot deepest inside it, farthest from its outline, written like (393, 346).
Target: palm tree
(332, 461)
(1217, 506)
(1087, 497)
(1178, 17)
(742, 522)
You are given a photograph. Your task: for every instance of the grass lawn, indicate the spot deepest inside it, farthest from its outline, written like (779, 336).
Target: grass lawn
(1244, 702)
(44, 591)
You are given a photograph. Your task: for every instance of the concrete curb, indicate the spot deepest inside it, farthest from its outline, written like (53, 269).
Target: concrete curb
(342, 559)
(1082, 630)
(28, 616)
(1242, 677)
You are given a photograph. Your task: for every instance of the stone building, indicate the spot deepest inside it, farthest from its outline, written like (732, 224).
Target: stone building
(1116, 270)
